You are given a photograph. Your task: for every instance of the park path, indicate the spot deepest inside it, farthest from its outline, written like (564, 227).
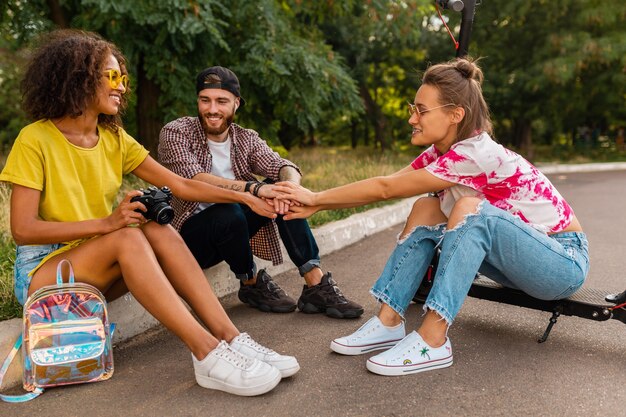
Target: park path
(499, 367)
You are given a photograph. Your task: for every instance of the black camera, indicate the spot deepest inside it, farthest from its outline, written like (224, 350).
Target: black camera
(157, 202)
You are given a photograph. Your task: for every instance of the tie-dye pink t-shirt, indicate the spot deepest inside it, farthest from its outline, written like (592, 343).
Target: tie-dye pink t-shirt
(486, 169)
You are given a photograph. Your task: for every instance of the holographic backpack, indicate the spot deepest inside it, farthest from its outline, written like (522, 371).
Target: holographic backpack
(66, 337)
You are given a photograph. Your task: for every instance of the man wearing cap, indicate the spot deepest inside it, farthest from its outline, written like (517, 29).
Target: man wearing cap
(211, 148)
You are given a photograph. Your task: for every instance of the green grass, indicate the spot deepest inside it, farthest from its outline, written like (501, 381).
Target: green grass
(325, 168)
(9, 307)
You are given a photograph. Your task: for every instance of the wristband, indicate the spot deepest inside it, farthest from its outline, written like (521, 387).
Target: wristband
(255, 192)
(248, 185)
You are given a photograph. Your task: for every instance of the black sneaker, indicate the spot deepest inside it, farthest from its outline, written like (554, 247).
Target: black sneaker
(266, 295)
(326, 297)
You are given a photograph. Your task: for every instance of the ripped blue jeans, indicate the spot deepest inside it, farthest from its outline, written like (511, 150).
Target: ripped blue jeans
(492, 242)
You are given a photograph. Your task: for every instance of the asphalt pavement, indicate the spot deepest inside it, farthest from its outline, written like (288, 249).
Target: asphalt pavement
(499, 368)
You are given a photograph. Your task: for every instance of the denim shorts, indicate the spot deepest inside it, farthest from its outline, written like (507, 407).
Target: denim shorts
(27, 258)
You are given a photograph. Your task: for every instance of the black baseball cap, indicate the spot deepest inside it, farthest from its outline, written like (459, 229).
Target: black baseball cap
(229, 82)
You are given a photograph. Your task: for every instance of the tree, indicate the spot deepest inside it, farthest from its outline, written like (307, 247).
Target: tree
(168, 42)
(380, 42)
(555, 63)
(293, 78)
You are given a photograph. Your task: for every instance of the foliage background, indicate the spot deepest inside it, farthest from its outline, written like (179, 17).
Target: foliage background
(340, 71)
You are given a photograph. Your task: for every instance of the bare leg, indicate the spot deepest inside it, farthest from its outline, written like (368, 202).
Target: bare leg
(425, 212)
(103, 261)
(116, 290)
(188, 280)
(434, 328)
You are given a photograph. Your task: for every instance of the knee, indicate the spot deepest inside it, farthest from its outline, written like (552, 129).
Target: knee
(467, 205)
(426, 203)
(129, 239)
(426, 211)
(162, 234)
(463, 207)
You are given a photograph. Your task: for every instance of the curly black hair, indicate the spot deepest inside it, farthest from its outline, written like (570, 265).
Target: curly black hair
(63, 75)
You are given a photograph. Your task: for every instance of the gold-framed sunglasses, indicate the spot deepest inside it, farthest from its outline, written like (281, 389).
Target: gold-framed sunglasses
(116, 78)
(413, 109)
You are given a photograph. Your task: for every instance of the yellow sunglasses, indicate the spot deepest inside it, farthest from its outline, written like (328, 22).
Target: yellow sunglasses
(116, 78)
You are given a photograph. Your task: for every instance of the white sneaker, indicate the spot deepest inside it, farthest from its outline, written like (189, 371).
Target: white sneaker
(373, 335)
(227, 370)
(410, 356)
(287, 365)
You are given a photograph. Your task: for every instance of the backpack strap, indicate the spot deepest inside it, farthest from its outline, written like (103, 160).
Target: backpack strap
(60, 272)
(5, 366)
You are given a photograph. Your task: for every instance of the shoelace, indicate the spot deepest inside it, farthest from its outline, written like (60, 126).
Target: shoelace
(335, 289)
(247, 340)
(238, 359)
(361, 334)
(414, 347)
(270, 287)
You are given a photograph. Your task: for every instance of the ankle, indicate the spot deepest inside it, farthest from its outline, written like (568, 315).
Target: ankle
(390, 322)
(200, 352)
(432, 339)
(388, 316)
(434, 329)
(250, 281)
(313, 277)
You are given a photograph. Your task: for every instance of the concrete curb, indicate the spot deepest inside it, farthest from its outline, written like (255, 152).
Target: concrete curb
(132, 319)
(595, 167)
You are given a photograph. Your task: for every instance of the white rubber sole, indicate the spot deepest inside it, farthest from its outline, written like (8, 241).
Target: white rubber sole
(398, 370)
(262, 388)
(361, 349)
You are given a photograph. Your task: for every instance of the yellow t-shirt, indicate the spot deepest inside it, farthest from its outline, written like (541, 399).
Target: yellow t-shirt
(76, 183)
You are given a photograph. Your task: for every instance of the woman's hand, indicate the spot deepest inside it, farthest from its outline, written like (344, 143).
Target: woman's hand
(296, 192)
(125, 214)
(301, 212)
(275, 195)
(282, 206)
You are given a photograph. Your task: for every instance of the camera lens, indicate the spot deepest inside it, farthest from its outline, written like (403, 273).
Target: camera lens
(163, 213)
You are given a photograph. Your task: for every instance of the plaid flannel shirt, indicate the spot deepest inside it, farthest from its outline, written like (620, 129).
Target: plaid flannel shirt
(184, 150)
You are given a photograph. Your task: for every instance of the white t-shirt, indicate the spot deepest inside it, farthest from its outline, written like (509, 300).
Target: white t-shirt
(221, 165)
(486, 169)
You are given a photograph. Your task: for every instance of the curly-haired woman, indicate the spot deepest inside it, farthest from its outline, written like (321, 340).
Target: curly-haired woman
(495, 214)
(66, 170)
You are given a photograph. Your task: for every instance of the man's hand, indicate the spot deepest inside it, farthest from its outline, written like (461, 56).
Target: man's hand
(259, 206)
(270, 191)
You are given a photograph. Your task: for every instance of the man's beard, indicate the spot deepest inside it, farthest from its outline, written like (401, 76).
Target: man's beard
(226, 122)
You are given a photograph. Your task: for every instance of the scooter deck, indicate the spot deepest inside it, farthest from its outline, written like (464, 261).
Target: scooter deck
(586, 303)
